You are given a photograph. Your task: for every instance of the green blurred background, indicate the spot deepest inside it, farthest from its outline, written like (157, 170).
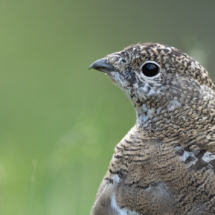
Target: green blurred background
(60, 122)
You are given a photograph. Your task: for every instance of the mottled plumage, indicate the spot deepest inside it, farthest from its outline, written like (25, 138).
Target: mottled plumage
(166, 163)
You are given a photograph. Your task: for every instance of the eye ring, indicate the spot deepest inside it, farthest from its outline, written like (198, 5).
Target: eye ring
(150, 69)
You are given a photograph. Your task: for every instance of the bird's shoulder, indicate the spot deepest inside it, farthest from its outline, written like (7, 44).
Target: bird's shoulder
(144, 170)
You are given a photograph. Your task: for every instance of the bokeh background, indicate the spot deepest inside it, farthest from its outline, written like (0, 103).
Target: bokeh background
(60, 122)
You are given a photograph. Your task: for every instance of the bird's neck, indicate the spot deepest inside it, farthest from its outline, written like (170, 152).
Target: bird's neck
(189, 130)
(151, 119)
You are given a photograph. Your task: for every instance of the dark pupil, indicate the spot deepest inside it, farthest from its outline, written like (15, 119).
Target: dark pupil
(150, 69)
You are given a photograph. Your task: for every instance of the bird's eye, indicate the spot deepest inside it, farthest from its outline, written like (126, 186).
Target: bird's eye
(150, 69)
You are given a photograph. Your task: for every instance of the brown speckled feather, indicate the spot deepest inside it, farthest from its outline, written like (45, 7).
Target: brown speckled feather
(166, 163)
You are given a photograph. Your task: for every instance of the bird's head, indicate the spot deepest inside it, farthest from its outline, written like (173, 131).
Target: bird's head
(168, 88)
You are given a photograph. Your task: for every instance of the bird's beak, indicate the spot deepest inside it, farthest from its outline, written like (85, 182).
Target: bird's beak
(102, 66)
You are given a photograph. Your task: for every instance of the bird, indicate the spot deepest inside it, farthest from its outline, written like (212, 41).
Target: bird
(166, 163)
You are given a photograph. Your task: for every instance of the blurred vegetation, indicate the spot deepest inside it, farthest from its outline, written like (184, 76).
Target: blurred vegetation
(59, 122)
